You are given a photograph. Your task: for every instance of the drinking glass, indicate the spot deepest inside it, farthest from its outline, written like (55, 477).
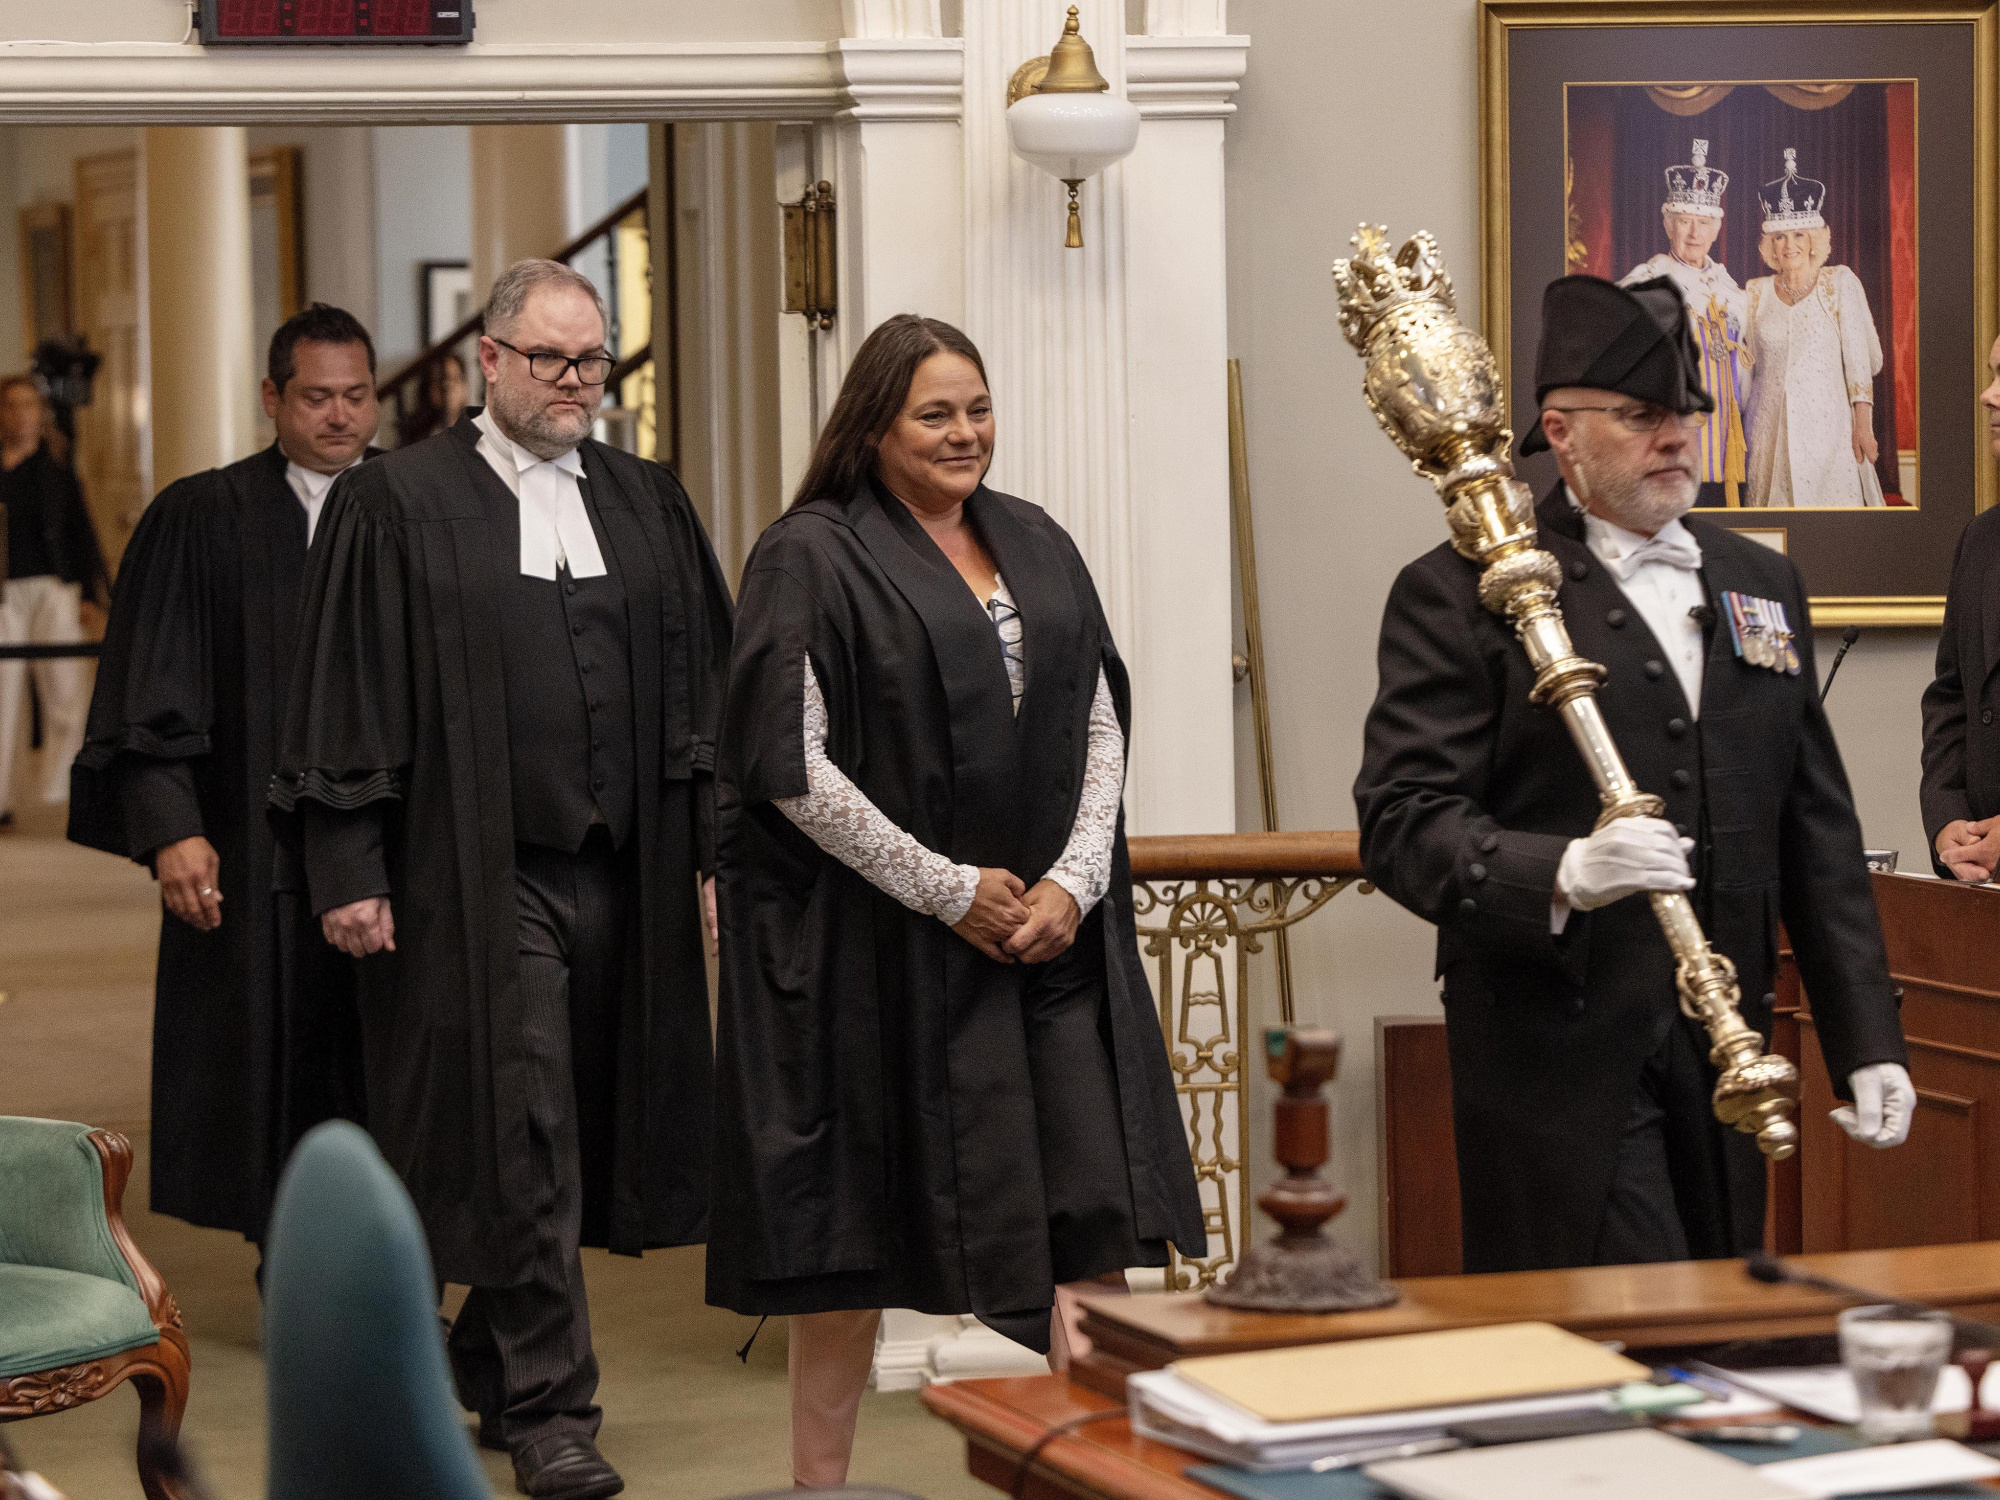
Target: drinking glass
(1894, 1355)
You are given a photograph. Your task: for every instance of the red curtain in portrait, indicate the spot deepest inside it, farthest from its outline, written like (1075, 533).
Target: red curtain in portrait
(1902, 110)
(1587, 237)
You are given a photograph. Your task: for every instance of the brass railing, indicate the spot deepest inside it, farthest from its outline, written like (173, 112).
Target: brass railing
(1205, 904)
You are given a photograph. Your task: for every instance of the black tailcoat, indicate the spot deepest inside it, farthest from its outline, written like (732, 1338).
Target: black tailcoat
(876, 1129)
(399, 703)
(1961, 738)
(253, 1035)
(1469, 793)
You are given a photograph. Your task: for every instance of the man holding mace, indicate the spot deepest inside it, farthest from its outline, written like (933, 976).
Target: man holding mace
(1581, 1093)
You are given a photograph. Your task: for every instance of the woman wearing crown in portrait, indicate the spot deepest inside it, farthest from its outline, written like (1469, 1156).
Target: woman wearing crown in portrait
(1716, 308)
(1814, 353)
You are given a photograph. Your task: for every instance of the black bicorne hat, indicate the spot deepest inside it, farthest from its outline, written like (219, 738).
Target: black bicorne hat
(1634, 340)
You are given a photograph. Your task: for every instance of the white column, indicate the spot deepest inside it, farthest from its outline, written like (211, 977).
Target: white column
(203, 377)
(730, 291)
(898, 180)
(1177, 346)
(1050, 321)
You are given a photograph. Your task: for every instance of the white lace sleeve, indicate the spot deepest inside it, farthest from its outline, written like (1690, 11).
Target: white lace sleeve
(839, 817)
(1085, 867)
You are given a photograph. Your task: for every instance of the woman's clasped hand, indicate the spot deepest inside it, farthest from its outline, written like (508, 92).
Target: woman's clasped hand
(1011, 924)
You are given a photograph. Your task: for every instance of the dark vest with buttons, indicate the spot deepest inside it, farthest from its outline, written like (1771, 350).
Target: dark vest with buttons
(570, 735)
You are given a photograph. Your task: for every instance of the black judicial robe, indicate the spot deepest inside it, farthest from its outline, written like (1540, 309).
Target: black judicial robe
(1468, 794)
(399, 702)
(876, 1130)
(253, 1031)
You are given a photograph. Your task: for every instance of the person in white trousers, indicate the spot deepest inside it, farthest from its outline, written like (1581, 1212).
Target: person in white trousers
(53, 560)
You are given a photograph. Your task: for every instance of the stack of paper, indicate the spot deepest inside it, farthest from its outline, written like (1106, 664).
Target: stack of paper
(1288, 1408)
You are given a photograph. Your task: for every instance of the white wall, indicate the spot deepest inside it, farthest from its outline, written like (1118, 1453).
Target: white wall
(423, 211)
(1338, 510)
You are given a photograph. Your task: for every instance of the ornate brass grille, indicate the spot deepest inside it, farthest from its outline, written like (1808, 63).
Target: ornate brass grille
(1205, 906)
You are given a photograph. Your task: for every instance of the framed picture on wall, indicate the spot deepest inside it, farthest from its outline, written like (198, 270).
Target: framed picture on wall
(1822, 188)
(447, 297)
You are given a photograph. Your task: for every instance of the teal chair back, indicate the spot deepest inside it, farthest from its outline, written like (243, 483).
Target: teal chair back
(52, 1210)
(360, 1398)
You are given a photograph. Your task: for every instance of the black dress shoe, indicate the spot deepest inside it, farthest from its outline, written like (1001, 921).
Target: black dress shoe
(565, 1468)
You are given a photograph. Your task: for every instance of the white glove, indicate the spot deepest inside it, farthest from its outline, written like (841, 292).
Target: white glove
(1885, 1102)
(1624, 857)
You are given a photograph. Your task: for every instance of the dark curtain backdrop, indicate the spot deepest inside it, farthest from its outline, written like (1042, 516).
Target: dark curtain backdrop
(1845, 145)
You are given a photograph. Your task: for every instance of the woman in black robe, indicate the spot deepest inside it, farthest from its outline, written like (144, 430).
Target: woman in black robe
(940, 1080)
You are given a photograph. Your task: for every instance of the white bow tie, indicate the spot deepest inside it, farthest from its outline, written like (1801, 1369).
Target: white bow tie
(1674, 548)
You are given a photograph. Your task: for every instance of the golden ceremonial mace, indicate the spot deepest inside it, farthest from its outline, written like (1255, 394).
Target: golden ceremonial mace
(1434, 387)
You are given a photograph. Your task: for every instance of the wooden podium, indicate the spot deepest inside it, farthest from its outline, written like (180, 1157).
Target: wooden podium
(1940, 1187)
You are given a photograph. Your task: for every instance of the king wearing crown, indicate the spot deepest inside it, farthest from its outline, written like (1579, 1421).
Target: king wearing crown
(1716, 308)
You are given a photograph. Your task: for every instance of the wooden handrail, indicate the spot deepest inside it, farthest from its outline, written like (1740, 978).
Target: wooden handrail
(1245, 855)
(472, 325)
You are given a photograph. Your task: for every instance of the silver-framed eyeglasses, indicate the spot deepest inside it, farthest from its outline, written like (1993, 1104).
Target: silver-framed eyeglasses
(1639, 416)
(550, 367)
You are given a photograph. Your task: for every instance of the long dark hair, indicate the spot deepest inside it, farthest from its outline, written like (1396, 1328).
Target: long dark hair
(877, 385)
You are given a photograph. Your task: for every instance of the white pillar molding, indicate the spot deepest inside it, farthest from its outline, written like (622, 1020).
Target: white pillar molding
(1187, 17)
(1183, 752)
(1051, 322)
(891, 18)
(898, 177)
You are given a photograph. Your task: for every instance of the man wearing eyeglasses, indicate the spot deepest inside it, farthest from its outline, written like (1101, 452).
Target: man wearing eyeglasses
(498, 760)
(1580, 1093)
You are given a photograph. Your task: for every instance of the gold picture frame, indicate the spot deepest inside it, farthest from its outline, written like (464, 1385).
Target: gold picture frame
(1960, 476)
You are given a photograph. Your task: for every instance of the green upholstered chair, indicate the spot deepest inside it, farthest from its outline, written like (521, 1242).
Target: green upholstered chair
(81, 1310)
(360, 1399)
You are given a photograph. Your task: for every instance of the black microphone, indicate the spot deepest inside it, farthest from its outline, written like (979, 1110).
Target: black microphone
(1847, 638)
(1765, 1267)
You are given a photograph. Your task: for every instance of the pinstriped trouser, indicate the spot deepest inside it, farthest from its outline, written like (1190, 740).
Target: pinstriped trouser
(521, 1355)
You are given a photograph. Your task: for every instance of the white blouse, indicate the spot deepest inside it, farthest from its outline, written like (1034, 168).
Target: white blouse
(845, 823)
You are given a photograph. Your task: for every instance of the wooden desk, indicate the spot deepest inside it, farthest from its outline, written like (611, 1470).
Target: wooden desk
(1644, 1306)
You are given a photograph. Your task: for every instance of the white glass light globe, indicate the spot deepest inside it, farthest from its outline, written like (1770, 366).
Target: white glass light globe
(1071, 136)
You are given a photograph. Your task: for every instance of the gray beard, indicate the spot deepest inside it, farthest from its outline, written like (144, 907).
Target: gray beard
(1626, 500)
(534, 428)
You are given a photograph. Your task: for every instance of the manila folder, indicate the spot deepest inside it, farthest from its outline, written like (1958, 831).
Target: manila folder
(1454, 1367)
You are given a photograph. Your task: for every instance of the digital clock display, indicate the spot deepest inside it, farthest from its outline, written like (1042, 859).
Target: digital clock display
(325, 22)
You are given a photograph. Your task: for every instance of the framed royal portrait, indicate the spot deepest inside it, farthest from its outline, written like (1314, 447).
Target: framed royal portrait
(1819, 180)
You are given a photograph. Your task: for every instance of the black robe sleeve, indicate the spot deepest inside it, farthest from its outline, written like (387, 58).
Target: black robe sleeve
(347, 742)
(1427, 746)
(709, 615)
(781, 621)
(153, 709)
(1943, 795)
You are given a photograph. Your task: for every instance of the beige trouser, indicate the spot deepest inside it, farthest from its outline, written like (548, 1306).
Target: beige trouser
(43, 610)
(831, 1353)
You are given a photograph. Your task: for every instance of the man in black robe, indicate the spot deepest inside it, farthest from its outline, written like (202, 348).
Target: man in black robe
(499, 757)
(1580, 1093)
(255, 1038)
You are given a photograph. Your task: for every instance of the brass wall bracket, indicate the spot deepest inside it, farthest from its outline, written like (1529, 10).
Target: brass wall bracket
(811, 269)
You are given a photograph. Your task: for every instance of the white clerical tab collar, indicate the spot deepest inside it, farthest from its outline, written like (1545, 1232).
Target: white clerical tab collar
(570, 462)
